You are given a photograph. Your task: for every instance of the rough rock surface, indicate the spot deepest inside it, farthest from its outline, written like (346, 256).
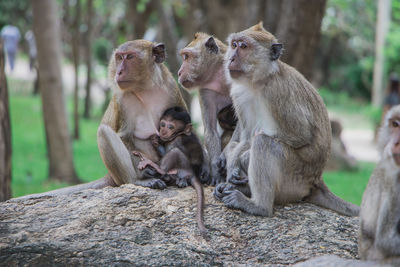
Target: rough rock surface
(133, 225)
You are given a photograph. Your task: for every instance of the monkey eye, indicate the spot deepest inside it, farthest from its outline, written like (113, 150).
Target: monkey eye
(242, 45)
(129, 56)
(162, 124)
(185, 56)
(395, 124)
(234, 44)
(118, 57)
(171, 127)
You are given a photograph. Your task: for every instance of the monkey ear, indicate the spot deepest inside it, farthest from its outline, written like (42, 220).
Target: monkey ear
(188, 129)
(212, 45)
(276, 51)
(159, 53)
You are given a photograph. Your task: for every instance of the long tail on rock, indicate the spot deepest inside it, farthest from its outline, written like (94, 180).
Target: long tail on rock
(200, 204)
(322, 196)
(98, 184)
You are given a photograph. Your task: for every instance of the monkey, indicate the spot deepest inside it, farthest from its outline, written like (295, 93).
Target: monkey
(142, 89)
(379, 232)
(202, 68)
(339, 158)
(181, 155)
(284, 127)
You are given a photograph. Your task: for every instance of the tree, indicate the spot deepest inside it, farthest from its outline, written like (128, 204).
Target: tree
(88, 57)
(299, 30)
(75, 39)
(382, 26)
(5, 134)
(46, 27)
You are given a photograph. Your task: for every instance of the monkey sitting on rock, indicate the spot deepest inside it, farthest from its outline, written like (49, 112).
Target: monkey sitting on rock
(181, 155)
(284, 126)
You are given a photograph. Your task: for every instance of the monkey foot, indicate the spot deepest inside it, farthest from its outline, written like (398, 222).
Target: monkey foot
(219, 191)
(182, 182)
(237, 177)
(157, 184)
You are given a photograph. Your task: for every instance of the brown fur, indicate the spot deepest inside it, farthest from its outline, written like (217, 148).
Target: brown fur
(132, 116)
(286, 123)
(202, 68)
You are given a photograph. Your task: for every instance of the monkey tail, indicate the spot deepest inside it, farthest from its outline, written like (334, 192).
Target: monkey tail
(200, 203)
(97, 184)
(322, 196)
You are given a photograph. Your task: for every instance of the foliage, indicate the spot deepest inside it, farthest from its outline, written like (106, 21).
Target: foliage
(17, 13)
(347, 49)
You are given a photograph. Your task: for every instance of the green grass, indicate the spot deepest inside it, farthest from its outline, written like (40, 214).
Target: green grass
(349, 185)
(29, 159)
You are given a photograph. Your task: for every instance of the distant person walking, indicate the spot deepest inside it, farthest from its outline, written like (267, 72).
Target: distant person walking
(30, 39)
(10, 34)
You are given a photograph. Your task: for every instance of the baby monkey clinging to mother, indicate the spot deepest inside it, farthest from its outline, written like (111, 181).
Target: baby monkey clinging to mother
(181, 155)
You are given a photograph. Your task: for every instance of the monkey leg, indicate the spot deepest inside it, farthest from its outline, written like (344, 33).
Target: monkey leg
(117, 160)
(176, 159)
(235, 172)
(264, 171)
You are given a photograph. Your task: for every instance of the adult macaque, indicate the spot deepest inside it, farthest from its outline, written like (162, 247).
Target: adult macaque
(379, 234)
(181, 155)
(202, 68)
(287, 125)
(143, 88)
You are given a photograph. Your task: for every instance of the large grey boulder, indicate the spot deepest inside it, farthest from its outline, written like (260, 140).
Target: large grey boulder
(132, 225)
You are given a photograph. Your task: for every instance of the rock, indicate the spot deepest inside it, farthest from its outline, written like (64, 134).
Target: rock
(131, 225)
(335, 261)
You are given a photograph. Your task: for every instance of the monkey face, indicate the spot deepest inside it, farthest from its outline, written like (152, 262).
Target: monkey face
(132, 60)
(198, 59)
(167, 129)
(252, 52)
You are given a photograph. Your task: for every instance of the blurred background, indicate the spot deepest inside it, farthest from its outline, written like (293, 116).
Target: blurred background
(348, 49)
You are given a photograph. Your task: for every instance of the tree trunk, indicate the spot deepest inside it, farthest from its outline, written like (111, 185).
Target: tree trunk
(168, 32)
(5, 133)
(88, 58)
(46, 27)
(138, 20)
(75, 54)
(299, 30)
(382, 26)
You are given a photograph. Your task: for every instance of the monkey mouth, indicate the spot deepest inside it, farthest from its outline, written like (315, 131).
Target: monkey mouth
(124, 83)
(396, 158)
(187, 83)
(235, 73)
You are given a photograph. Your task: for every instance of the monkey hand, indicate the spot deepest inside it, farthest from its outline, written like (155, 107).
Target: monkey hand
(237, 177)
(137, 154)
(155, 140)
(143, 164)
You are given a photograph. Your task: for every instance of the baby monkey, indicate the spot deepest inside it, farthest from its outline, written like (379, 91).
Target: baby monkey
(181, 155)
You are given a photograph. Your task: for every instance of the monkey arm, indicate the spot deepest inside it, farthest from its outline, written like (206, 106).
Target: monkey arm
(387, 233)
(211, 136)
(111, 116)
